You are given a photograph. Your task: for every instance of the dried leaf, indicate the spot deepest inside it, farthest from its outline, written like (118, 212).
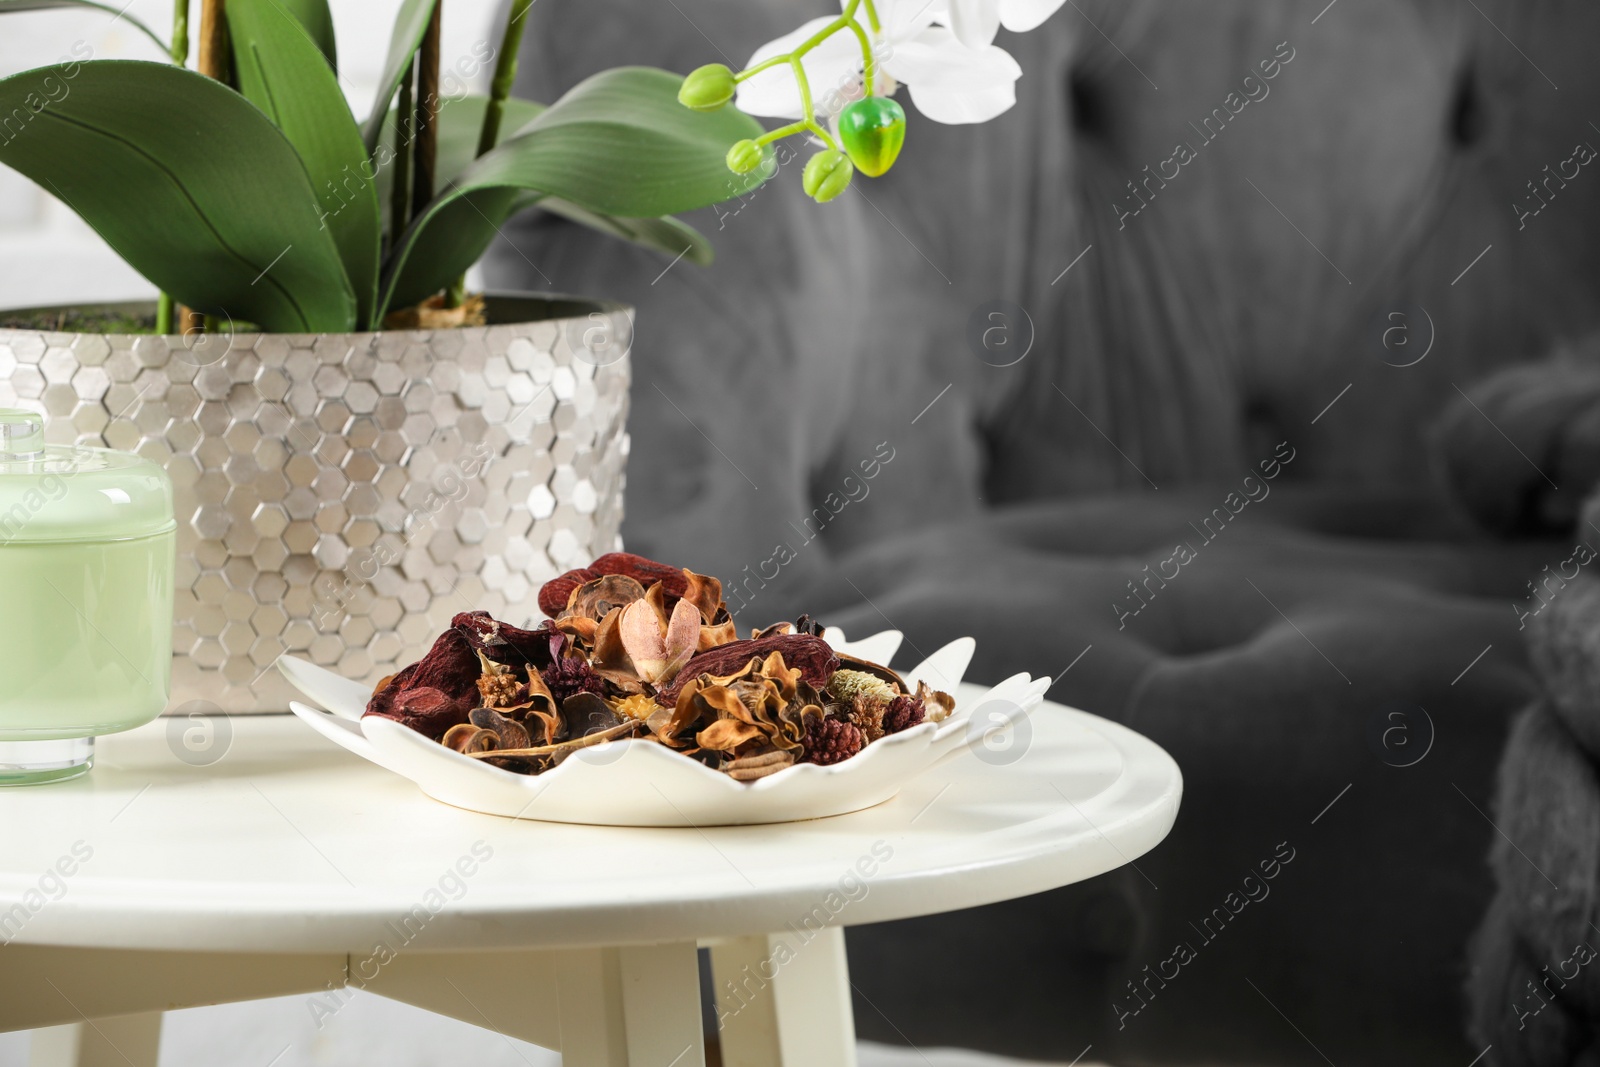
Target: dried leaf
(725, 735)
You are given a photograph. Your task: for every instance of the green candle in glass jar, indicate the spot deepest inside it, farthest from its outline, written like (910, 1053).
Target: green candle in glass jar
(87, 541)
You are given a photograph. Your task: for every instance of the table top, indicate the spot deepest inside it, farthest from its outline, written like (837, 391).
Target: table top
(289, 844)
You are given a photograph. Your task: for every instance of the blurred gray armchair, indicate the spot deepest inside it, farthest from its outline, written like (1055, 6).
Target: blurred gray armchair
(1180, 333)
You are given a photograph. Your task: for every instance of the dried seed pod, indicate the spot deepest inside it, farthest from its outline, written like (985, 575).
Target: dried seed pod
(903, 713)
(586, 713)
(554, 594)
(646, 572)
(750, 768)
(512, 734)
(467, 738)
(830, 741)
(939, 705)
(847, 684)
(870, 715)
(595, 599)
(865, 666)
(812, 655)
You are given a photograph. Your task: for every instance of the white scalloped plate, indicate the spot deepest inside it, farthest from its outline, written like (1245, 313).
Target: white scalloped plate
(635, 782)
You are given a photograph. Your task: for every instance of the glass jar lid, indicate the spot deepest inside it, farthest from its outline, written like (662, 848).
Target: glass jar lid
(60, 493)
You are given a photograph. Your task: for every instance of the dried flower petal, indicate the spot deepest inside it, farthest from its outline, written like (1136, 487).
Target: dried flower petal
(636, 706)
(504, 643)
(706, 596)
(435, 693)
(570, 675)
(427, 711)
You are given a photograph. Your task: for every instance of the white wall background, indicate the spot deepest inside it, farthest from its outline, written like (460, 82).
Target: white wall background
(47, 255)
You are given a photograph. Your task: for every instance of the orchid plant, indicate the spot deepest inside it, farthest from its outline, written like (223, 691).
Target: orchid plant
(836, 77)
(246, 189)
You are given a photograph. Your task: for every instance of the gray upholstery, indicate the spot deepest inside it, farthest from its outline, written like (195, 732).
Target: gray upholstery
(1187, 343)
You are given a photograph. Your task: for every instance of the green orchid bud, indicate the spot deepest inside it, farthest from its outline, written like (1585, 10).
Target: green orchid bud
(873, 130)
(827, 174)
(707, 88)
(745, 157)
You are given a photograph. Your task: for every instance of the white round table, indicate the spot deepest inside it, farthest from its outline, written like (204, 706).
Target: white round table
(269, 862)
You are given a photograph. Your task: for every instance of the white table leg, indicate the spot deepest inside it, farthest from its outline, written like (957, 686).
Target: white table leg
(121, 1041)
(661, 1006)
(590, 991)
(783, 1003)
(631, 1007)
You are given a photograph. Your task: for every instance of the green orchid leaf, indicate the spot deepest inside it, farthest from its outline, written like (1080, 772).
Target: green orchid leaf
(461, 233)
(409, 27)
(665, 234)
(460, 119)
(618, 144)
(318, 22)
(283, 72)
(120, 12)
(188, 182)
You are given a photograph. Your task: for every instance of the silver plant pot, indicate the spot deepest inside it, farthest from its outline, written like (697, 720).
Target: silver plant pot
(342, 496)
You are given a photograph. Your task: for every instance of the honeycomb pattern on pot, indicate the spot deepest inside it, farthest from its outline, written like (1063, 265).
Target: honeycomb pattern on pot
(341, 497)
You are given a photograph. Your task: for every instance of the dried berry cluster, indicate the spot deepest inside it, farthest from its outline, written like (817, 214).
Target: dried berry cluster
(635, 648)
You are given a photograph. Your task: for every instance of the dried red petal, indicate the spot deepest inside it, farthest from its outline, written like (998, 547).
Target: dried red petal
(450, 667)
(427, 711)
(816, 660)
(555, 593)
(507, 644)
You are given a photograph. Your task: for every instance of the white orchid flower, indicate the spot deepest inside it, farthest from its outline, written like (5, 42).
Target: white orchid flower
(975, 22)
(949, 80)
